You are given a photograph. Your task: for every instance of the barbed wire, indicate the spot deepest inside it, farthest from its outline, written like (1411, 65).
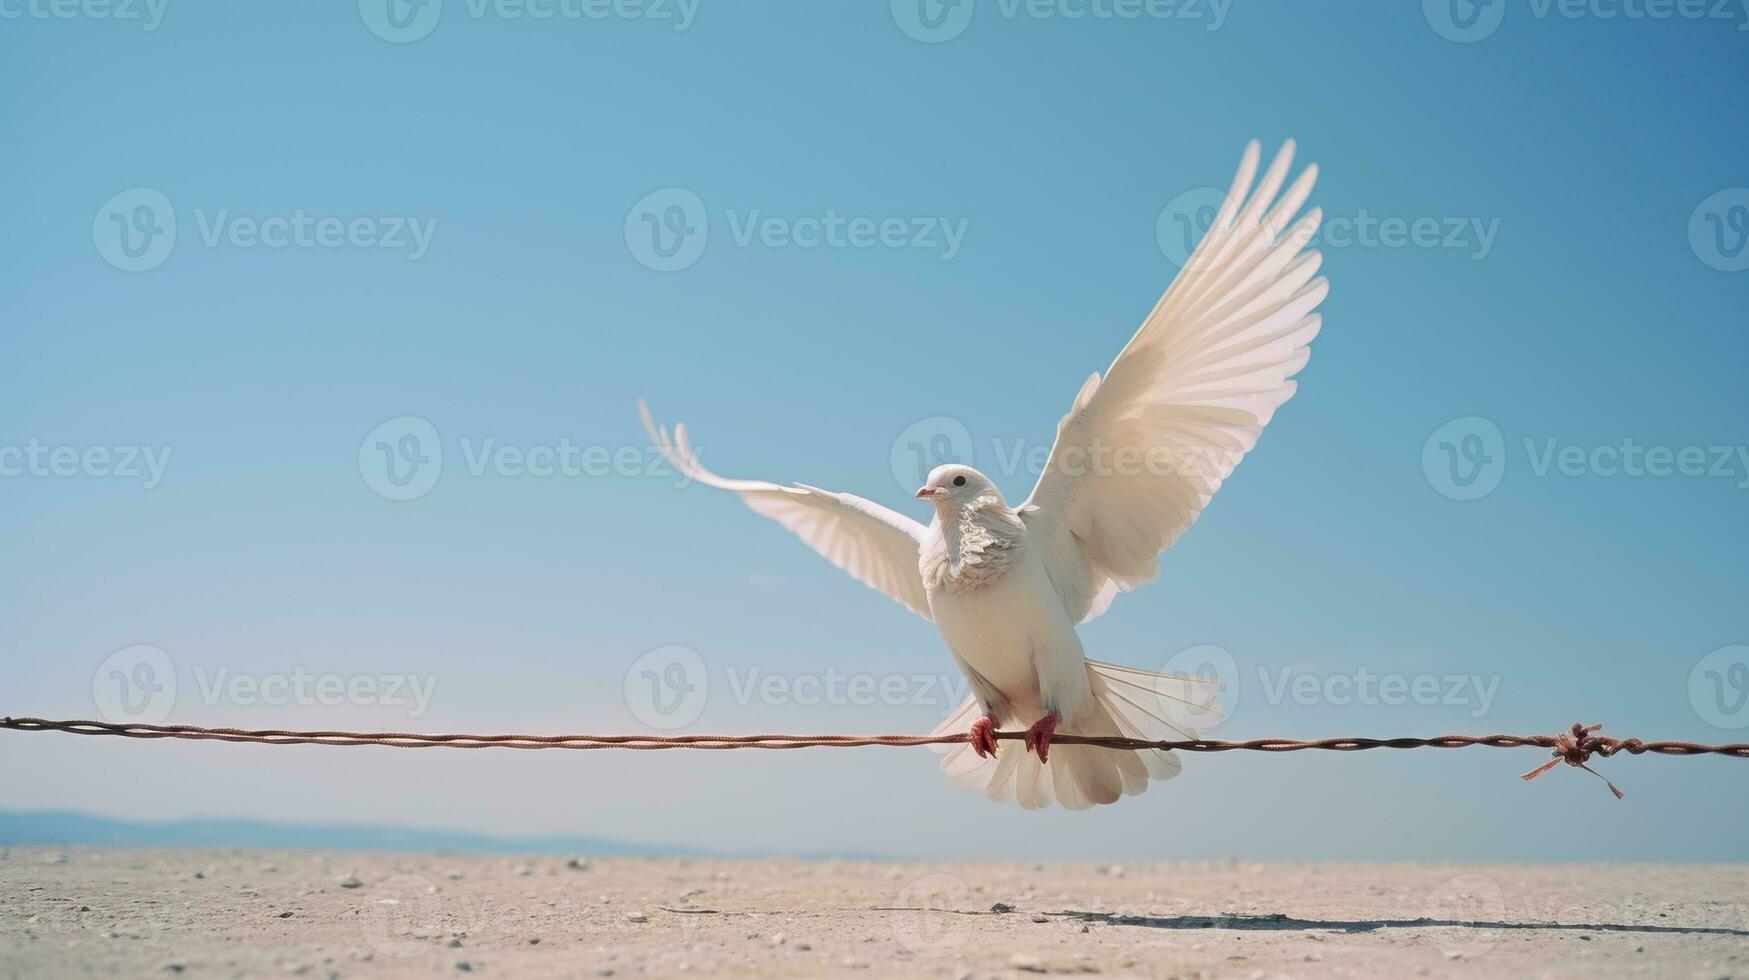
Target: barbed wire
(1575, 746)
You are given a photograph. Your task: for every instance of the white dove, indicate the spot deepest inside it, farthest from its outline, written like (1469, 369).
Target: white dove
(1135, 461)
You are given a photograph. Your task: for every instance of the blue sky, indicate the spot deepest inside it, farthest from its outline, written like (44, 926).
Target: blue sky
(888, 222)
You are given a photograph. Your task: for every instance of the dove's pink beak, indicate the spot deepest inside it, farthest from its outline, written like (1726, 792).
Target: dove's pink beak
(925, 492)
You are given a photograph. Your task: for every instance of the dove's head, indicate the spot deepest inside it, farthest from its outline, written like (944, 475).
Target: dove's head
(953, 486)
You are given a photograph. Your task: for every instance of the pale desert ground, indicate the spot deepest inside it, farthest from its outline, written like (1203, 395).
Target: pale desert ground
(228, 913)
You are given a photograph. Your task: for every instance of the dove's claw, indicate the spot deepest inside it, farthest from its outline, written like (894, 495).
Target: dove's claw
(984, 737)
(1039, 736)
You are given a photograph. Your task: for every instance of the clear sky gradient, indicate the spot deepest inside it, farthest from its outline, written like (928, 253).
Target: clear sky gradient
(803, 227)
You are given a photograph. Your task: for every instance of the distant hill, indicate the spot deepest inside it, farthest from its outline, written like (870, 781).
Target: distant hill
(66, 828)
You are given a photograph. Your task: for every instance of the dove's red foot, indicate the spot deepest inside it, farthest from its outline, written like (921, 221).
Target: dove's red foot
(984, 737)
(1039, 736)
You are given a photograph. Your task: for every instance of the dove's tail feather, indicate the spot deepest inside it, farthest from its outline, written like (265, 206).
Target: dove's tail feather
(1125, 702)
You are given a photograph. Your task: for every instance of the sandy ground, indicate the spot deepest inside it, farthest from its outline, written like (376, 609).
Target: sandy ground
(229, 913)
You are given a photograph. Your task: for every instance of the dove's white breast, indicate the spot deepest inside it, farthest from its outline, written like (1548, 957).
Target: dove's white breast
(1013, 631)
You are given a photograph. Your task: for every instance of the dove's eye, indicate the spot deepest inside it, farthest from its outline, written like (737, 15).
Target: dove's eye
(959, 481)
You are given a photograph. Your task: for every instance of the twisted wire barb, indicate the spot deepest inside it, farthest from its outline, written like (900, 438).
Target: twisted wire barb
(1575, 747)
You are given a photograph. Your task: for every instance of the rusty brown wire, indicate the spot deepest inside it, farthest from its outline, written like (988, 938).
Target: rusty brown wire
(1575, 746)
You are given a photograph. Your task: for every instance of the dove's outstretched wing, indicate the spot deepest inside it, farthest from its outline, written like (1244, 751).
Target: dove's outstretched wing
(876, 545)
(1142, 451)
